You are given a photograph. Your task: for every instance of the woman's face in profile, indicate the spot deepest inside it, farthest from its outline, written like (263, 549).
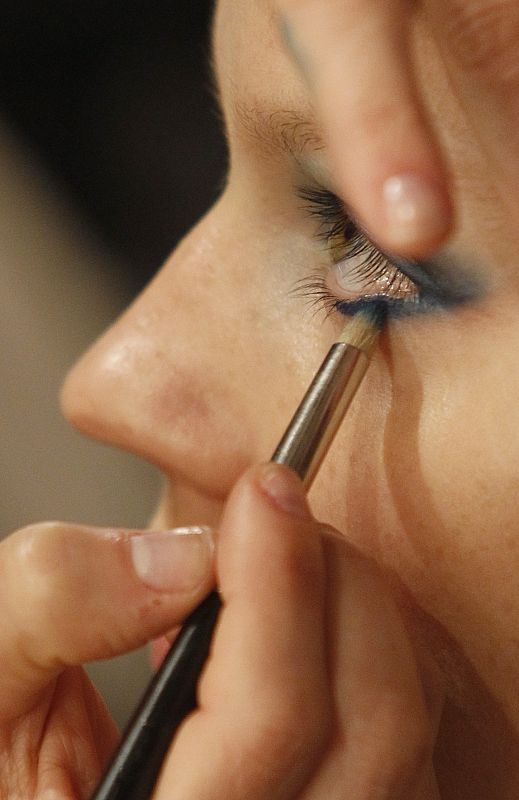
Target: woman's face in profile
(203, 372)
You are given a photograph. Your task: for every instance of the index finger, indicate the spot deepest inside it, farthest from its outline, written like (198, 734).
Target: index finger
(262, 719)
(355, 56)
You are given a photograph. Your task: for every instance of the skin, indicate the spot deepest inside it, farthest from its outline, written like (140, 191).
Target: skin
(392, 645)
(377, 123)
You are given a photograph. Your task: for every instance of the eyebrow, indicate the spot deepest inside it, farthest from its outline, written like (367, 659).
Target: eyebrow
(283, 131)
(277, 131)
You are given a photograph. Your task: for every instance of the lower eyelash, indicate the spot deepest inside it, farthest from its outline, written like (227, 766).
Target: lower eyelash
(317, 294)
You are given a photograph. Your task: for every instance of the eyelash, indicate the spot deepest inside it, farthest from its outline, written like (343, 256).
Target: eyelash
(345, 241)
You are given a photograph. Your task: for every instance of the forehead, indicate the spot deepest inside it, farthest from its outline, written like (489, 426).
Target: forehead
(251, 66)
(266, 105)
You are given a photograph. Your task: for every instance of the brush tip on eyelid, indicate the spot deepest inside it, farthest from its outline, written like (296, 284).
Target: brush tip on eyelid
(392, 309)
(367, 274)
(359, 270)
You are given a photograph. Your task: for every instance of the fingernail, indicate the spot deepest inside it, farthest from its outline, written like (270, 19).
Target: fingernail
(173, 561)
(415, 210)
(285, 489)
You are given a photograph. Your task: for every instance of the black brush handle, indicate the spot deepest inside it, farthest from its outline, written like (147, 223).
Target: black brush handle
(168, 700)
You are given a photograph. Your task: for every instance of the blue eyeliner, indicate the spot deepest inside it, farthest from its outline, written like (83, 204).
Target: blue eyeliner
(441, 286)
(395, 308)
(442, 282)
(426, 301)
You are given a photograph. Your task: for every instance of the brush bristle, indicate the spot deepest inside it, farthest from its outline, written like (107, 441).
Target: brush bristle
(363, 329)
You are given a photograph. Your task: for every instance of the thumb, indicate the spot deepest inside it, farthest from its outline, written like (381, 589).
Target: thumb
(71, 594)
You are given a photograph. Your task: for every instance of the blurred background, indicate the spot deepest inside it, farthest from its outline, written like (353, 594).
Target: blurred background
(110, 149)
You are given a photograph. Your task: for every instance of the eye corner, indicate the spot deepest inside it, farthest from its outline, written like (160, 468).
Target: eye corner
(443, 280)
(362, 274)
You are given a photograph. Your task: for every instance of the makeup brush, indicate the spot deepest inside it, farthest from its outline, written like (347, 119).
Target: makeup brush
(171, 695)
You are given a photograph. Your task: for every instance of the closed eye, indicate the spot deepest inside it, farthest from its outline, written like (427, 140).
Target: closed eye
(359, 273)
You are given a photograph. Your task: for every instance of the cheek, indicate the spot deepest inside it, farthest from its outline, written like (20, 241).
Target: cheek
(348, 492)
(452, 533)
(460, 514)
(427, 481)
(450, 454)
(424, 475)
(452, 457)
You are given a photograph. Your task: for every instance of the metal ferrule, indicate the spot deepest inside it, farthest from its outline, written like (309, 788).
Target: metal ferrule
(315, 423)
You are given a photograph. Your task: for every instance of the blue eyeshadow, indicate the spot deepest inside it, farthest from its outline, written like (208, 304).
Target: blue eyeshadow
(433, 295)
(441, 280)
(442, 285)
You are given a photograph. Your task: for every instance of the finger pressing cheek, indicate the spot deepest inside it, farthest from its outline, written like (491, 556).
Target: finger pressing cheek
(382, 740)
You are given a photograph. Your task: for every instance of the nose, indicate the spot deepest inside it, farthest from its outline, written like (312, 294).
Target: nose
(170, 380)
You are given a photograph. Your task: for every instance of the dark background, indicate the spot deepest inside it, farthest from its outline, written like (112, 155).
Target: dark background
(115, 98)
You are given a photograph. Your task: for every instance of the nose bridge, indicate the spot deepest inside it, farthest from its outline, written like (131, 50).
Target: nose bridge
(163, 380)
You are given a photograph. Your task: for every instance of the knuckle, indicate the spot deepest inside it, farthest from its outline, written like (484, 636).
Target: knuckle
(303, 574)
(35, 590)
(484, 37)
(287, 736)
(403, 748)
(419, 744)
(38, 554)
(45, 607)
(413, 725)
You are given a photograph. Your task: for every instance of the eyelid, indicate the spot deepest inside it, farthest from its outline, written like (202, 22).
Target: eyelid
(429, 274)
(441, 277)
(344, 236)
(359, 272)
(440, 281)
